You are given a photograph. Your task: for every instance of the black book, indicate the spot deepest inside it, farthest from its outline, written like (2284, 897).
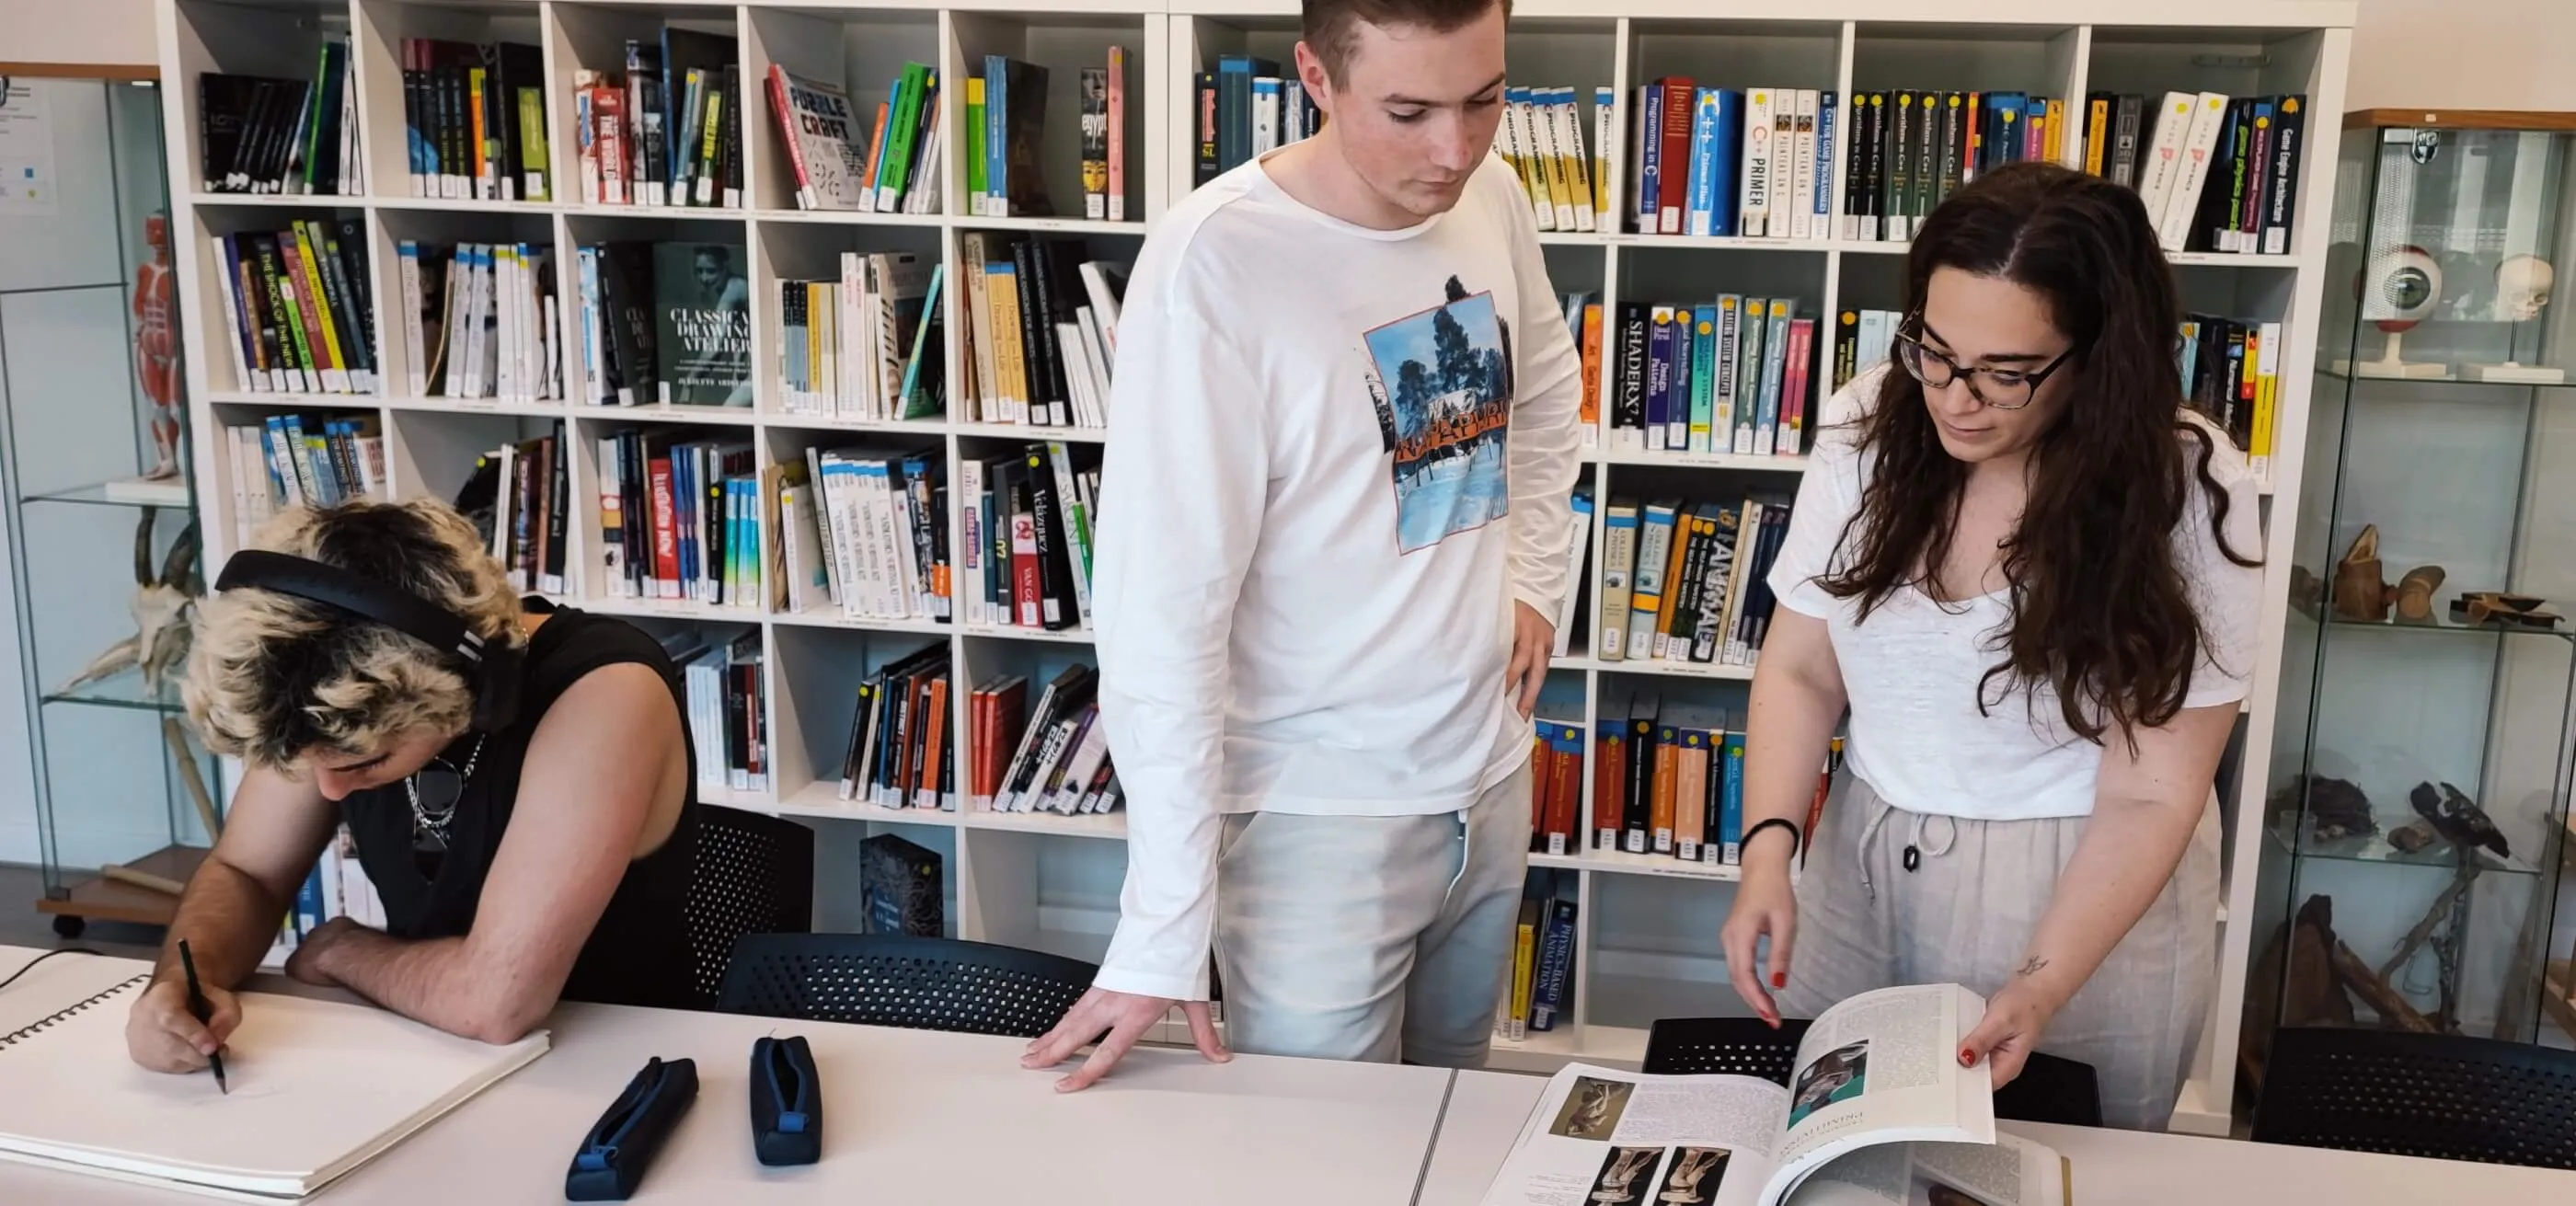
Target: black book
(1057, 608)
(223, 114)
(1203, 111)
(1044, 382)
(2281, 187)
(626, 281)
(1629, 410)
(1637, 809)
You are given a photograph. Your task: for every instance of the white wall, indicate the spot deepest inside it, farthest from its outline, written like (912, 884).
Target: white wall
(77, 31)
(2464, 54)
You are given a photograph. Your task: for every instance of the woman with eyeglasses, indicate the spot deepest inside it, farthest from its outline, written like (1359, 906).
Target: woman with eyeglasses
(523, 855)
(2029, 572)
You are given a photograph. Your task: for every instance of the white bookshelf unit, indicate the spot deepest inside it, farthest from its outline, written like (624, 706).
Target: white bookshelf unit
(1647, 945)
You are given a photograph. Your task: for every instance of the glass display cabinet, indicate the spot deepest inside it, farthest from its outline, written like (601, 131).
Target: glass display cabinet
(102, 519)
(2416, 828)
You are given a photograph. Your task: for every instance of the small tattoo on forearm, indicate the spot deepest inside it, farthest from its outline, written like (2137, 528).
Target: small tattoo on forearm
(2032, 968)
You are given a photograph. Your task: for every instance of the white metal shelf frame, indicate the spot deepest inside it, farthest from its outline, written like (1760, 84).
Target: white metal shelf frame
(2305, 42)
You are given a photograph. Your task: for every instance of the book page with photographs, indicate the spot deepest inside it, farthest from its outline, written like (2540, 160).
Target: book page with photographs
(1878, 1069)
(1600, 1137)
(2011, 1171)
(1883, 1067)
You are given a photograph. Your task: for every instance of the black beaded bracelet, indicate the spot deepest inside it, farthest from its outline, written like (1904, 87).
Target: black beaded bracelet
(1796, 839)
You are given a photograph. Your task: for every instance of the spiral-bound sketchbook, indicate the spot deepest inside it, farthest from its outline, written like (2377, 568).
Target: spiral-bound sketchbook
(318, 1087)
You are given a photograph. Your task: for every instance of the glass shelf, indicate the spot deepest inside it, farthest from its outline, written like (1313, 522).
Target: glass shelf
(2445, 383)
(123, 689)
(96, 494)
(2374, 848)
(2443, 623)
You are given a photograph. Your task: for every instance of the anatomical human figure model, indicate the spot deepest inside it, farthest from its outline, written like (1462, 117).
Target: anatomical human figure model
(156, 346)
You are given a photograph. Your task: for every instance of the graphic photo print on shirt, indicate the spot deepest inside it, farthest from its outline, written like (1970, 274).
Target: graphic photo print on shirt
(1442, 381)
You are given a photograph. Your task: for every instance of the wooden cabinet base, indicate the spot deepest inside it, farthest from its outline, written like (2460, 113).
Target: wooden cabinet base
(103, 899)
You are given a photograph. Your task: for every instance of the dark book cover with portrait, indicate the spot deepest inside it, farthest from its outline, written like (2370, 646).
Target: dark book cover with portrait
(702, 321)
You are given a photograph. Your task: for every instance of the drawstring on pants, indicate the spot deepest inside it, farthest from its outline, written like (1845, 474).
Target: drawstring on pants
(1914, 848)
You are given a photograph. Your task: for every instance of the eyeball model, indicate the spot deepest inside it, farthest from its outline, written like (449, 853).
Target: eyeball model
(2400, 288)
(2522, 287)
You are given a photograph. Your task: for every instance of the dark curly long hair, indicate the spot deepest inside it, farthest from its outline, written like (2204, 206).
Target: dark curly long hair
(2100, 611)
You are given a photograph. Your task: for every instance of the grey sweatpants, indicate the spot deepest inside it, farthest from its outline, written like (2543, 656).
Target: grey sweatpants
(1965, 915)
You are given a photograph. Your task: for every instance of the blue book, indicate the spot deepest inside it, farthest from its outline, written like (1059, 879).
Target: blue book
(1717, 121)
(1677, 403)
(1659, 375)
(1775, 363)
(1703, 410)
(1650, 159)
(1825, 192)
(1730, 808)
(997, 159)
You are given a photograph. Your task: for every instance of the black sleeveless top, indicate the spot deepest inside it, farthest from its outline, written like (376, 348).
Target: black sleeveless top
(638, 953)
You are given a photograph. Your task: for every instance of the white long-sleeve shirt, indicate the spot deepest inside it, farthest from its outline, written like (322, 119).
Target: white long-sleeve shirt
(1337, 456)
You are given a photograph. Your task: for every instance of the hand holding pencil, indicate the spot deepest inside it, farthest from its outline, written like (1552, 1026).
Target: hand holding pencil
(166, 1035)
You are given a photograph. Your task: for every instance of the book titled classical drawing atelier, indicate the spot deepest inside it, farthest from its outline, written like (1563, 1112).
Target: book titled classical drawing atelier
(318, 1087)
(1877, 1111)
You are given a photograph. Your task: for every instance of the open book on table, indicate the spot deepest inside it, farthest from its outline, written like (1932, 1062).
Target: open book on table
(1878, 1111)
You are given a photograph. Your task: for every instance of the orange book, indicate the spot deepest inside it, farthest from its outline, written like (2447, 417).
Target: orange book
(1542, 785)
(1567, 797)
(1684, 524)
(1591, 372)
(1690, 796)
(934, 735)
(1659, 811)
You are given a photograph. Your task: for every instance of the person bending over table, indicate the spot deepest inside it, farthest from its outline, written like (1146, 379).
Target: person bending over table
(517, 778)
(2028, 570)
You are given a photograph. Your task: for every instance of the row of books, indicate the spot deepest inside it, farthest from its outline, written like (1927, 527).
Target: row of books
(520, 496)
(901, 751)
(869, 345)
(679, 518)
(261, 134)
(2230, 368)
(336, 886)
(1670, 781)
(2218, 173)
(1686, 582)
(667, 129)
(1056, 760)
(474, 120)
(860, 529)
(289, 460)
(480, 321)
(2231, 372)
(1754, 163)
(720, 672)
(892, 168)
(1542, 139)
(1912, 149)
(1025, 549)
(1005, 126)
(1539, 992)
(297, 303)
(1729, 376)
(1042, 331)
(1245, 109)
(665, 324)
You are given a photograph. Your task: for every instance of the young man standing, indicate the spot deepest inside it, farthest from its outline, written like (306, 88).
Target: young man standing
(1333, 535)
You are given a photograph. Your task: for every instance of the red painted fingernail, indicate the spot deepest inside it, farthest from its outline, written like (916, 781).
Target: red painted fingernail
(1967, 1058)
(1779, 979)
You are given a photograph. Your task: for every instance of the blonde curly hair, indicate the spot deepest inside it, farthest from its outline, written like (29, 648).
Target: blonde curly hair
(273, 676)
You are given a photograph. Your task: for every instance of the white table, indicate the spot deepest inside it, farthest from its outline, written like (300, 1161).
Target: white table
(909, 1116)
(2112, 1168)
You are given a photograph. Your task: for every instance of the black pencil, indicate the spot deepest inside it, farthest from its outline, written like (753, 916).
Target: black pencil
(203, 1011)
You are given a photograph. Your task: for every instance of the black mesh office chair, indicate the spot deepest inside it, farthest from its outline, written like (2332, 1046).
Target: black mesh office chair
(2446, 1096)
(755, 875)
(897, 980)
(2049, 1089)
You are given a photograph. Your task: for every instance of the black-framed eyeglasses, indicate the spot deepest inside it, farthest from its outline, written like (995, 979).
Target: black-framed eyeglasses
(2003, 389)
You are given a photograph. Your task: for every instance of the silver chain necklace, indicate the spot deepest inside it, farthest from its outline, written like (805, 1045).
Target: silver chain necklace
(435, 825)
